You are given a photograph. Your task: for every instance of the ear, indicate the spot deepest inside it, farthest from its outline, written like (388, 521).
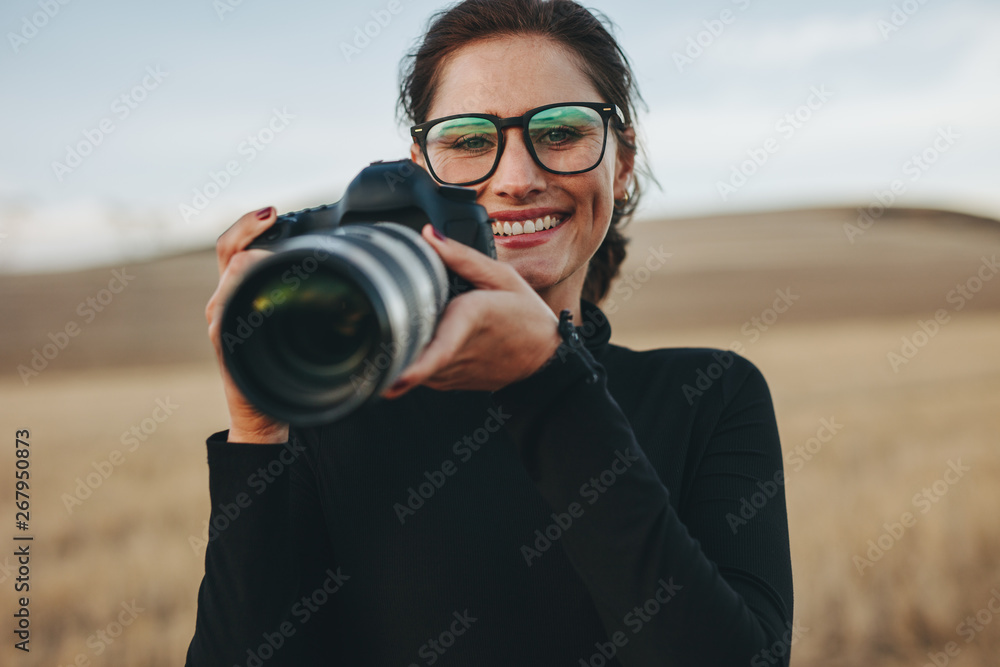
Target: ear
(416, 155)
(624, 165)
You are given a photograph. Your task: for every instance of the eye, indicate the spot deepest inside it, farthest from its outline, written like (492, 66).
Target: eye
(555, 136)
(473, 143)
(559, 135)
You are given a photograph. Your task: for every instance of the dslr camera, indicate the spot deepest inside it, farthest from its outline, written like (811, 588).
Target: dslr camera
(350, 295)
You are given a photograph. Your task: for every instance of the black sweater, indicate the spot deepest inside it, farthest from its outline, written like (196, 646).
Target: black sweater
(637, 520)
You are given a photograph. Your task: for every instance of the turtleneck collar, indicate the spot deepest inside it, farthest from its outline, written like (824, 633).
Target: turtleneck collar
(595, 330)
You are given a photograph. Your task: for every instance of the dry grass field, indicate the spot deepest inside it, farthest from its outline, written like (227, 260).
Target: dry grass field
(114, 574)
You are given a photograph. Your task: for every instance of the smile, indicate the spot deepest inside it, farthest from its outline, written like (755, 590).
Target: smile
(519, 227)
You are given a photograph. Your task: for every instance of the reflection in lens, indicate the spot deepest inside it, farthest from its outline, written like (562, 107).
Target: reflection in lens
(311, 339)
(567, 138)
(462, 149)
(326, 326)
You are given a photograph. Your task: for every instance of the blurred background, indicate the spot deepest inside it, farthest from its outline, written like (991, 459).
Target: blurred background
(829, 202)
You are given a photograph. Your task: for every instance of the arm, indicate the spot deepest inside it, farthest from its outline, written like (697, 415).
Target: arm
(720, 598)
(727, 605)
(267, 549)
(267, 544)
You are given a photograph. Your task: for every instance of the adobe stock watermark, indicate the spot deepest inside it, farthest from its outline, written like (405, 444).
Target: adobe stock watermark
(374, 367)
(31, 24)
(591, 491)
(131, 440)
(302, 611)
(899, 16)
(464, 449)
(433, 649)
(786, 126)
(88, 309)
(797, 458)
(914, 168)
(121, 107)
(253, 145)
(752, 329)
(363, 35)
(969, 629)
(292, 277)
(926, 330)
(102, 638)
(224, 7)
(780, 648)
(768, 489)
(756, 325)
(633, 281)
(703, 40)
(924, 500)
(259, 481)
(635, 620)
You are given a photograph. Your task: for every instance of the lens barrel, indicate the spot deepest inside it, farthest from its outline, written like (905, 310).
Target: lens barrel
(330, 320)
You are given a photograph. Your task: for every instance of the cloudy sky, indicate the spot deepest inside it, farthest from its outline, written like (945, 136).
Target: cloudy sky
(117, 114)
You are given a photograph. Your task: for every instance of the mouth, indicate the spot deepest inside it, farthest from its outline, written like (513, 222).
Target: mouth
(503, 228)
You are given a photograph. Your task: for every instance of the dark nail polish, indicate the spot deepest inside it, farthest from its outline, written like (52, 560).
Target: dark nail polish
(437, 233)
(264, 213)
(399, 385)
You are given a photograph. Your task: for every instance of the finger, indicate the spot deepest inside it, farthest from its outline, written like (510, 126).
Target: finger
(450, 334)
(232, 276)
(482, 271)
(241, 233)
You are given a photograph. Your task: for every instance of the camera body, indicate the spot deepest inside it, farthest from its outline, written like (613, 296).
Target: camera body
(399, 191)
(350, 296)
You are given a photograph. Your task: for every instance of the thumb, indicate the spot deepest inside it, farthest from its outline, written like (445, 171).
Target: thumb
(481, 270)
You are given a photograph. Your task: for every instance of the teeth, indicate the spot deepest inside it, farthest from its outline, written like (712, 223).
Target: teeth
(526, 227)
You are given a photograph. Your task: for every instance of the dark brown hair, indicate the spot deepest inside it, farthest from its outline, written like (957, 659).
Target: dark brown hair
(587, 34)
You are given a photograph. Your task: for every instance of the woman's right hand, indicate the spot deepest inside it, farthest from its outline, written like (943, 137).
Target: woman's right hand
(246, 423)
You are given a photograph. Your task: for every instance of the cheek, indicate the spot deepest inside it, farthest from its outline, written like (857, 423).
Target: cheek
(602, 196)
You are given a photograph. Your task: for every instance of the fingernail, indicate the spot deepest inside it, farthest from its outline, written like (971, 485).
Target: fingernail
(437, 234)
(264, 213)
(399, 385)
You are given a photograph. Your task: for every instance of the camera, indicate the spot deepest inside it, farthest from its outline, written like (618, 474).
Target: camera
(350, 296)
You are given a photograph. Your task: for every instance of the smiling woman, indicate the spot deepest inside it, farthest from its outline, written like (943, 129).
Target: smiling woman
(574, 187)
(531, 494)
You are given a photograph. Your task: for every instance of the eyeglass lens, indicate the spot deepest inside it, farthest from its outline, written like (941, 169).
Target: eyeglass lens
(564, 139)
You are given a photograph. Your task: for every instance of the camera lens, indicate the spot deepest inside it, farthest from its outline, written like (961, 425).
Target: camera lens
(328, 321)
(324, 328)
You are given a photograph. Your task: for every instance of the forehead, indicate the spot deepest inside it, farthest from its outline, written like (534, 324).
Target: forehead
(509, 75)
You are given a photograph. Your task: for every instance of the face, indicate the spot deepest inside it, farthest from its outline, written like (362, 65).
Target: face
(506, 77)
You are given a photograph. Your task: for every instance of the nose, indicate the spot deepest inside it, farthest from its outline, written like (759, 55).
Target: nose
(516, 176)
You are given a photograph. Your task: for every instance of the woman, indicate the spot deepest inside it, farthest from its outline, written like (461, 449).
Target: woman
(519, 501)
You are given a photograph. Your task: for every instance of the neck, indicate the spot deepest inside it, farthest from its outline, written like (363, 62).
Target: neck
(565, 295)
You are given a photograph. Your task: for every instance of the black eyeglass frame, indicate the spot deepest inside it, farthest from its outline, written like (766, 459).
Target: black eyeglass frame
(606, 110)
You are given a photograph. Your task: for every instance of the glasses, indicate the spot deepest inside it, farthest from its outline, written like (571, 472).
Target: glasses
(564, 138)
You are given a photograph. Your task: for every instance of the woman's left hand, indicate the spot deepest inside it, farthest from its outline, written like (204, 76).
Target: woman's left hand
(489, 337)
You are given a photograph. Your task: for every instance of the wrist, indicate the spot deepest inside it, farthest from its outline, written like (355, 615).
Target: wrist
(571, 345)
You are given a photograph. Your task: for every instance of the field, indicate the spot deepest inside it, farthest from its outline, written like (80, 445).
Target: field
(883, 363)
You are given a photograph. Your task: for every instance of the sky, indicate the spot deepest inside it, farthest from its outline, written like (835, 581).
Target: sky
(136, 128)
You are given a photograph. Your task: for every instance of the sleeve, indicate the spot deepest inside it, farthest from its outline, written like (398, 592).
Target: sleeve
(664, 597)
(267, 550)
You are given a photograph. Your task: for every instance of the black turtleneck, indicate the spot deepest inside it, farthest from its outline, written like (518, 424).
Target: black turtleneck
(636, 520)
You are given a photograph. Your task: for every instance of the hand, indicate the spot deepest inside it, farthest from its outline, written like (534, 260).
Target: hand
(487, 338)
(246, 424)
